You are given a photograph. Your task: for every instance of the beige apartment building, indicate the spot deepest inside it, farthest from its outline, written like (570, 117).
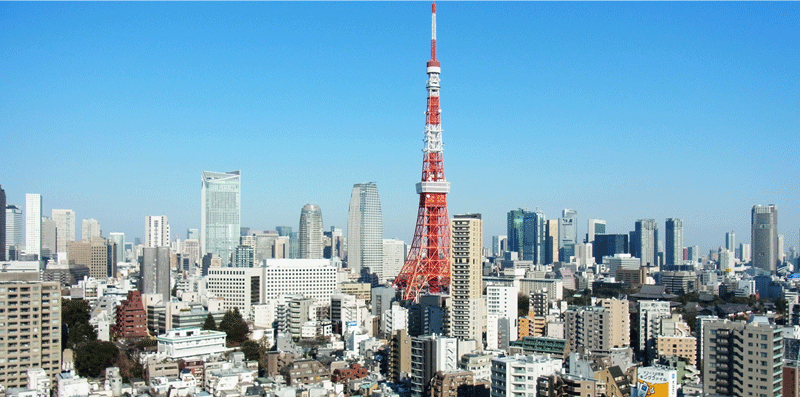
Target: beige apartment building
(466, 269)
(619, 318)
(30, 330)
(678, 346)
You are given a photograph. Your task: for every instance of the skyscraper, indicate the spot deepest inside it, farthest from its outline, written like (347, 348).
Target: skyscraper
(516, 229)
(156, 231)
(65, 227)
(14, 231)
(220, 213)
(3, 224)
(49, 236)
(595, 226)
(466, 248)
(673, 252)
(394, 255)
(764, 240)
(155, 272)
(499, 245)
(609, 245)
(567, 234)
(310, 235)
(534, 238)
(645, 240)
(119, 240)
(551, 243)
(33, 224)
(365, 230)
(90, 228)
(730, 241)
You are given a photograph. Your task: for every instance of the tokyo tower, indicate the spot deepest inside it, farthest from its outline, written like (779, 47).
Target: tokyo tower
(427, 268)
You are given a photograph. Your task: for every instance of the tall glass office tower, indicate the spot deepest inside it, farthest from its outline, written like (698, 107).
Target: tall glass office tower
(516, 229)
(534, 237)
(365, 230)
(567, 234)
(310, 235)
(673, 252)
(220, 213)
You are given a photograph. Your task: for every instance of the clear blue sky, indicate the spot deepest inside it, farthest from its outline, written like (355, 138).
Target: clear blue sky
(618, 110)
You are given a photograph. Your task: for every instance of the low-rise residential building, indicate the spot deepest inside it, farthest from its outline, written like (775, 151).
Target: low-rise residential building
(453, 384)
(68, 384)
(539, 345)
(306, 372)
(190, 342)
(480, 364)
(512, 374)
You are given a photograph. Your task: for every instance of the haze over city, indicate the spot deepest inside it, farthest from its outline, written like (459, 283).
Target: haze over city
(619, 111)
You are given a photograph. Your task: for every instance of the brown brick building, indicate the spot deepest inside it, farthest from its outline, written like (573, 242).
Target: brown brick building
(131, 318)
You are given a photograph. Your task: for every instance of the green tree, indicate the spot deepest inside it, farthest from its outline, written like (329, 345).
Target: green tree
(253, 350)
(210, 324)
(234, 326)
(93, 357)
(79, 334)
(75, 311)
(75, 315)
(781, 306)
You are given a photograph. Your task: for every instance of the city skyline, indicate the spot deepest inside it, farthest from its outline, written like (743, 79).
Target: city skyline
(714, 116)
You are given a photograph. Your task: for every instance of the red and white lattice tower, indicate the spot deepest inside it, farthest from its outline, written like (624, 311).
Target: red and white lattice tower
(427, 268)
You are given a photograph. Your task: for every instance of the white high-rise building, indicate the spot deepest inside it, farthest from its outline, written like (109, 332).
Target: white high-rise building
(156, 231)
(744, 250)
(394, 319)
(501, 315)
(90, 228)
(33, 224)
(220, 213)
(310, 234)
(650, 315)
(365, 230)
(394, 256)
(499, 245)
(65, 226)
(15, 231)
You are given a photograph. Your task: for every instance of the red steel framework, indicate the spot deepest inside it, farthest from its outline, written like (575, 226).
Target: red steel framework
(427, 268)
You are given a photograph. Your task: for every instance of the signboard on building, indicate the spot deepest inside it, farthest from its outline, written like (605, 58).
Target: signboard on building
(655, 382)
